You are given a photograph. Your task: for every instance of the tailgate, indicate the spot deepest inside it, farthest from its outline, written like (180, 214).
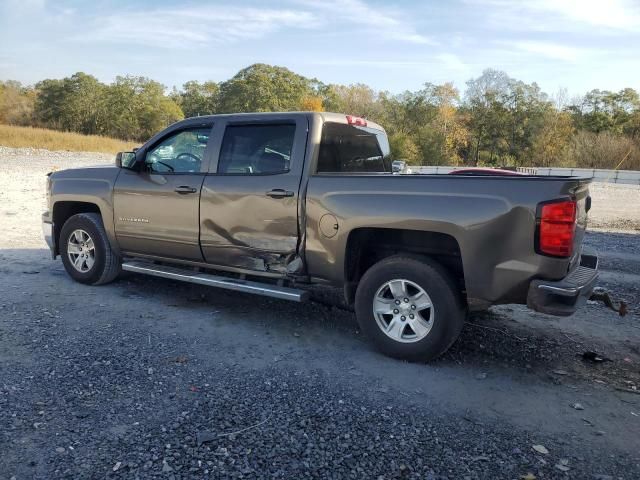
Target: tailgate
(583, 200)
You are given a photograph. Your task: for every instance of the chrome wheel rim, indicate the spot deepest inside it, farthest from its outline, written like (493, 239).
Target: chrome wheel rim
(403, 311)
(81, 251)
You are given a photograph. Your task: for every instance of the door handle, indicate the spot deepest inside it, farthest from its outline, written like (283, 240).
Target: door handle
(182, 189)
(279, 193)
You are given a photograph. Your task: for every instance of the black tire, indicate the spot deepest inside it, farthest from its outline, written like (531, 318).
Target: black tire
(449, 310)
(106, 265)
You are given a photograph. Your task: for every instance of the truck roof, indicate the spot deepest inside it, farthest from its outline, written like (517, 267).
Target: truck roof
(325, 116)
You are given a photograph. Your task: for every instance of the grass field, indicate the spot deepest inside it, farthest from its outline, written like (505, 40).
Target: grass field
(30, 137)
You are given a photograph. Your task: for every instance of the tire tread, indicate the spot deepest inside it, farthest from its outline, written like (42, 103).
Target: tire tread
(112, 263)
(455, 305)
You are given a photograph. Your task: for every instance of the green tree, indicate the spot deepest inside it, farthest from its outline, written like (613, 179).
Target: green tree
(264, 88)
(358, 99)
(74, 103)
(604, 111)
(504, 116)
(551, 144)
(138, 108)
(49, 103)
(197, 99)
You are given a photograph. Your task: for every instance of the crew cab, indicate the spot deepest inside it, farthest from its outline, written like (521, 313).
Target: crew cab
(270, 203)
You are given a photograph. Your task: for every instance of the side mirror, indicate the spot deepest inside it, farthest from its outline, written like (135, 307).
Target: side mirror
(125, 159)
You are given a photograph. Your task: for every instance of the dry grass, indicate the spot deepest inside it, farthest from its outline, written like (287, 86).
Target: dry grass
(17, 137)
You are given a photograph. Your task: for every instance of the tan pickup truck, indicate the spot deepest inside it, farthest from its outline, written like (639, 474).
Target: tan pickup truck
(270, 203)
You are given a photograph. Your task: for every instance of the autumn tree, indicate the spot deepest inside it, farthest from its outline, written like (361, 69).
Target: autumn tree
(16, 103)
(500, 121)
(311, 103)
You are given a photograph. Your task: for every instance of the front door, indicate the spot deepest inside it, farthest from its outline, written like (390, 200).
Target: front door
(249, 202)
(157, 208)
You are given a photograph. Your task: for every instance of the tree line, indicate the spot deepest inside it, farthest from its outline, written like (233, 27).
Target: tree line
(498, 121)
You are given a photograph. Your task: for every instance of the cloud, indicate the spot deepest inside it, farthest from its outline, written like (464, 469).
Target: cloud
(377, 22)
(197, 26)
(452, 62)
(615, 14)
(561, 15)
(18, 7)
(550, 50)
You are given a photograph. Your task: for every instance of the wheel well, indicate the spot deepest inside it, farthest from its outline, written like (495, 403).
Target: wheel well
(367, 246)
(62, 211)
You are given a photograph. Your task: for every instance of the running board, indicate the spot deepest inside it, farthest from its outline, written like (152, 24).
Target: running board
(192, 276)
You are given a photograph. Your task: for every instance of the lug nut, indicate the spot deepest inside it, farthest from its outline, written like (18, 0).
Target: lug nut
(413, 307)
(412, 316)
(403, 318)
(397, 302)
(406, 300)
(396, 311)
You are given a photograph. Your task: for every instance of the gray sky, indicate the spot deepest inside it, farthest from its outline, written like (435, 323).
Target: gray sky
(390, 45)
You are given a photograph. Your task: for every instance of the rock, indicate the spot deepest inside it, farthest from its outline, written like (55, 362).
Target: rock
(577, 406)
(540, 449)
(117, 466)
(165, 467)
(60, 450)
(480, 458)
(563, 465)
(205, 436)
(481, 376)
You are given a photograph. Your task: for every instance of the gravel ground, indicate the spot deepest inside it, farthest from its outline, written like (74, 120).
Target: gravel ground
(147, 378)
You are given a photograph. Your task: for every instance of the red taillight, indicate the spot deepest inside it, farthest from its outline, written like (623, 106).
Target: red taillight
(557, 228)
(357, 121)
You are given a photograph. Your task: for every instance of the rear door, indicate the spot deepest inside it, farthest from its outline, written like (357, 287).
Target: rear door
(249, 201)
(157, 208)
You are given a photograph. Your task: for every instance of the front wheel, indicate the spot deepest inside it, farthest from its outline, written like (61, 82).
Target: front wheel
(410, 308)
(86, 252)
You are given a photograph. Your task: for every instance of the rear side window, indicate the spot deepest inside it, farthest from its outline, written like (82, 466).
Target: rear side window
(257, 149)
(352, 149)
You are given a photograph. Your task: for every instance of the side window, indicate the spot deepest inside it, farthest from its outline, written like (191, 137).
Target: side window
(353, 149)
(256, 149)
(182, 152)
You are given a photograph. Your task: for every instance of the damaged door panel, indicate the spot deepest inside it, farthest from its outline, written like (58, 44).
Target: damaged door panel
(249, 202)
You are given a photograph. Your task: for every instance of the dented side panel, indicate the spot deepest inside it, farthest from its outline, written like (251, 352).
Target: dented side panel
(241, 225)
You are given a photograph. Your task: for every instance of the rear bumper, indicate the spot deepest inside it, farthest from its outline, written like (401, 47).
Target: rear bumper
(564, 297)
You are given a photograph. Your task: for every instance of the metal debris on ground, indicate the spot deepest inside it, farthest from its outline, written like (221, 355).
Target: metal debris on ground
(540, 449)
(595, 357)
(600, 294)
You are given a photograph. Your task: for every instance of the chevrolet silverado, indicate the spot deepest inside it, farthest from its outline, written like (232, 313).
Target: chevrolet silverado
(270, 203)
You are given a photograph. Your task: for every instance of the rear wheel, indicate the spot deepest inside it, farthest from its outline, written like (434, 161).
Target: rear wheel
(86, 252)
(409, 307)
